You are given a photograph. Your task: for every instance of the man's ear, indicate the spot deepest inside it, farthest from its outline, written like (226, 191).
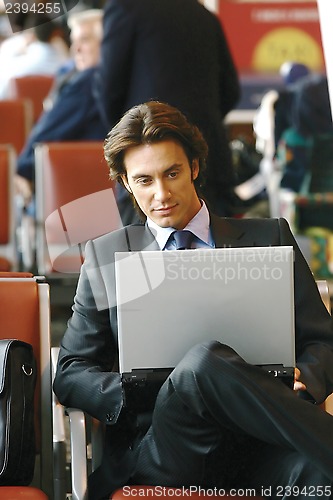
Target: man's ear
(195, 169)
(125, 182)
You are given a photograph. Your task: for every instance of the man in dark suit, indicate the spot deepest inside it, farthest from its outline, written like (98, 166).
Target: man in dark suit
(214, 407)
(175, 52)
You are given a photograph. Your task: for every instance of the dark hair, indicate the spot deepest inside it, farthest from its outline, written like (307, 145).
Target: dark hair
(149, 123)
(43, 26)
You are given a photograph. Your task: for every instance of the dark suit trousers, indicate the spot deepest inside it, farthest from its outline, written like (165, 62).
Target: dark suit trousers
(219, 421)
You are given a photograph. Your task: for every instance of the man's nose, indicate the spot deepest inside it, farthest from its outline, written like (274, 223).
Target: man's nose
(162, 192)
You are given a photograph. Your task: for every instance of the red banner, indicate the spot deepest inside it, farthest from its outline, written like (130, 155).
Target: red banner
(264, 34)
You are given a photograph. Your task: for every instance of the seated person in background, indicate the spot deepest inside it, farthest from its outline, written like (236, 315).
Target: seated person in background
(214, 408)
(309, 118)
(274, 114)
(291, 73)
(40, 49)
(72, 114)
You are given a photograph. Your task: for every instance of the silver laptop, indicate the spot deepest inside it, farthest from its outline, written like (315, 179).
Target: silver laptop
(169, 301)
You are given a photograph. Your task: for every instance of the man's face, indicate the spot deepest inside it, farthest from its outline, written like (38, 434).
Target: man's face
(160, 178)
(85, 44)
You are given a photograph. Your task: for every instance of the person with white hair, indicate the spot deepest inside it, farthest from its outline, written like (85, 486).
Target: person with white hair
(71, 113)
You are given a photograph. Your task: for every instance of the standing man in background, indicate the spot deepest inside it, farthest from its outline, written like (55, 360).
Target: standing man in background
(174, 52)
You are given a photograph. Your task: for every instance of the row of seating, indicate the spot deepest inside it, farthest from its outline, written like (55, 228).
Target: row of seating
(35, 88)
(25, 314)
(23, 108)
(8, 253)
(74, 202)
(17, 116)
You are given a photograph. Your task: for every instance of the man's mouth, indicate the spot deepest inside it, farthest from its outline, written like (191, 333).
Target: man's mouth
(164, 210)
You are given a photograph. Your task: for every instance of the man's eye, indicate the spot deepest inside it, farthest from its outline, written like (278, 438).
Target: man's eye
(144, 181)
(173, 174)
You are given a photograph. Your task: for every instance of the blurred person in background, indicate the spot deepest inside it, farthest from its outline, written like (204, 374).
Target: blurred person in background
(39, 49)
(303, 123)
(291, 72)
(274, 115)
(176, 52)
(274, 127)
(71, 113)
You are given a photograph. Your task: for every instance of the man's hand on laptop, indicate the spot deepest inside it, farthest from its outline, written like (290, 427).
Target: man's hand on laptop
(298, 385)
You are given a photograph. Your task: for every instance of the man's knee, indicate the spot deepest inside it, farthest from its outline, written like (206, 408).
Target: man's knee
(206, 353)
(201, 360)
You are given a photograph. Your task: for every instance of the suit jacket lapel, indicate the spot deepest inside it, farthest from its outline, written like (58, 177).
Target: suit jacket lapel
(139, 237)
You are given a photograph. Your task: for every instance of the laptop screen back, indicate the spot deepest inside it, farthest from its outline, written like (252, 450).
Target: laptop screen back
(169, 301)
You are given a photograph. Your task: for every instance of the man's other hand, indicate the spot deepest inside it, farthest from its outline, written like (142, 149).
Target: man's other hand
(298, 385)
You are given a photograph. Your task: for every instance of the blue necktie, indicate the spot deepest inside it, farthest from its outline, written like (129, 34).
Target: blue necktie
(183, 239)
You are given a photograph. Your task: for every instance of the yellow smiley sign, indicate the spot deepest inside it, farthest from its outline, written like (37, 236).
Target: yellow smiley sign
(286, 44)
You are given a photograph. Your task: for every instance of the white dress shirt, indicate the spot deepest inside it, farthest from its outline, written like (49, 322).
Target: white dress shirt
(199, 226)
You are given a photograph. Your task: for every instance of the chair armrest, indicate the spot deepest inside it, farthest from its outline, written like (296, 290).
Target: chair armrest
(78, 446)
(59, 434)
(59, 437)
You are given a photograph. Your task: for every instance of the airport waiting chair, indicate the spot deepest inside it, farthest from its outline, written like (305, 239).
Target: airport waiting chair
(78, 439)
(8, 250)
(25, 315)
(32, 87)
(16, 118)
(75, 202)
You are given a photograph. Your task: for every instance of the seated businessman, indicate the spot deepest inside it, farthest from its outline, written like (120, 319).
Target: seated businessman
(217, 421)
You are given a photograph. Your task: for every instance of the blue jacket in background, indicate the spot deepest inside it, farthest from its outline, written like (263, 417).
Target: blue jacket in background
(73, 117)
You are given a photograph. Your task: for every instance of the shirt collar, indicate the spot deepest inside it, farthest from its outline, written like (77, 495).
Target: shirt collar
(199, 226)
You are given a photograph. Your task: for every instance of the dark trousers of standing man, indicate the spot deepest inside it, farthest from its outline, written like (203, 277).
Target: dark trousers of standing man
(215, 409)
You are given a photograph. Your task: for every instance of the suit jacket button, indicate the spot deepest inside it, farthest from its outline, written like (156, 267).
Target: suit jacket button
(110, 417)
